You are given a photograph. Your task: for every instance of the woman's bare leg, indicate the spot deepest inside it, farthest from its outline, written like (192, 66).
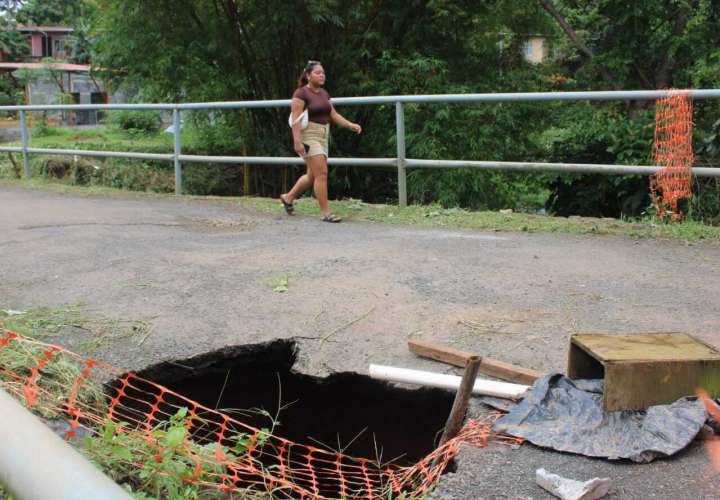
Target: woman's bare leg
(319, 170)
(303, 184)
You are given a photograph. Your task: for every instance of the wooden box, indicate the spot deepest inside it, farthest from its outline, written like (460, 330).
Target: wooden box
(643, 370)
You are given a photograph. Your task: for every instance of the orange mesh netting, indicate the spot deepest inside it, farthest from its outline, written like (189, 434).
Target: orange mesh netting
(672, 150)
(211, 449)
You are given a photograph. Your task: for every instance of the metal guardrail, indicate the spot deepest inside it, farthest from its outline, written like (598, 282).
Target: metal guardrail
(400, 161)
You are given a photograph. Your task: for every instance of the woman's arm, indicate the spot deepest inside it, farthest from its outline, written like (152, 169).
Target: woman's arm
(296, 109)
(340, 120)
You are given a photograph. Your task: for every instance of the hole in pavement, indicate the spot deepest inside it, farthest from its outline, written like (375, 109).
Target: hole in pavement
(361, 415)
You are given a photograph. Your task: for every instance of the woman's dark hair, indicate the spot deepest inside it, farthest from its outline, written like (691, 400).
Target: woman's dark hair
(303, 80)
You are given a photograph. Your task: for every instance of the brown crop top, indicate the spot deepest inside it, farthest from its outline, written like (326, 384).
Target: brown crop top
(317, 103)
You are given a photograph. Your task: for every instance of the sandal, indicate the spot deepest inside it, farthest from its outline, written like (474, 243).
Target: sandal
(289, 207)
(331, 218)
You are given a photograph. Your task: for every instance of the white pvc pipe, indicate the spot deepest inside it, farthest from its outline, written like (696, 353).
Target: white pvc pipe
(482, 387)
(36, 464)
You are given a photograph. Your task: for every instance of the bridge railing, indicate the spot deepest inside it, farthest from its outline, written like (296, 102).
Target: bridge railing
(399, 161)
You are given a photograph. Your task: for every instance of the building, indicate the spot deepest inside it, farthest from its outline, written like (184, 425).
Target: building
(49, 41)
(50, 79)
(535, 49)
(49, 82)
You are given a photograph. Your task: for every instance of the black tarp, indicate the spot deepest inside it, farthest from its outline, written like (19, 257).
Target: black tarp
(567, 415)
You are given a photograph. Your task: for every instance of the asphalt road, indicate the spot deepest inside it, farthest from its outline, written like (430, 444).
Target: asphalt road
(202, 272)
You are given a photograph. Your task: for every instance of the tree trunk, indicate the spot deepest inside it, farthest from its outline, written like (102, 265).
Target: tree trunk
(585, 51)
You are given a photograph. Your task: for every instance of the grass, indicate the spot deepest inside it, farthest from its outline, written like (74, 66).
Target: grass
(4, 495)
(121, 450)
(426, 215)
(46, 322)
(415, 215)
(280, 284)
(436, 216)
(107, 139)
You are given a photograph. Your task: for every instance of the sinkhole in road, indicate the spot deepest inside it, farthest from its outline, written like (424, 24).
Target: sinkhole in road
(347, 412)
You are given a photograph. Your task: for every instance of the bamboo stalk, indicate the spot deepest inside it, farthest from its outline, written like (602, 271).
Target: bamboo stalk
(462, 398)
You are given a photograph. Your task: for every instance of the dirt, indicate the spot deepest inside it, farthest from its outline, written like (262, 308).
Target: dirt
(203, 273)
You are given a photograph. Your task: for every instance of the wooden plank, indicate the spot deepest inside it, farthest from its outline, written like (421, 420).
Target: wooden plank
(489, 366)
(645, 346)
(439, 352)
(636, 386)
(581, 364)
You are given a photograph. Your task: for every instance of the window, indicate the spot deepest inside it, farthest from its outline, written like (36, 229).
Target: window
(62, 47)
(527, 49)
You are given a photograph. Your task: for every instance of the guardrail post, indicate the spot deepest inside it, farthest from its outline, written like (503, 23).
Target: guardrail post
(24, 138)
(402, 177)
(178, 149)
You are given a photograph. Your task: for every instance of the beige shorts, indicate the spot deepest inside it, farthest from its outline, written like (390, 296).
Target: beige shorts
(315, 139)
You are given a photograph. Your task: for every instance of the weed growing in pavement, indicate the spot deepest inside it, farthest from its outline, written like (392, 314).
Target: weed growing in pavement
(47, 322)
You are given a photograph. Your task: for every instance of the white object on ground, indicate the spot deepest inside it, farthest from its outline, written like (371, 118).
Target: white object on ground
(35, 464)
(482, 386)
(569, 489)
(11, 312)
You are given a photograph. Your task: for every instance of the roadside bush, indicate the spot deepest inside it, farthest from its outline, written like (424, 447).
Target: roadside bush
(135, 121)
(134, 175)
(591, 134)
(77, 171)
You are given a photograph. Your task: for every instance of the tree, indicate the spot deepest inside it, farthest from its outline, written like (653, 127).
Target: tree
(13, 44)
(644, 44)
(44, 12)
(9, 8)
(626, 45)
(207, 50)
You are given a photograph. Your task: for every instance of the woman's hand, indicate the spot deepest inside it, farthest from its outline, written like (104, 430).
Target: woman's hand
(355, 128)
(299, 149)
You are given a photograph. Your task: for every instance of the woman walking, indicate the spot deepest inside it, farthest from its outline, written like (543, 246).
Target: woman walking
(311, 143)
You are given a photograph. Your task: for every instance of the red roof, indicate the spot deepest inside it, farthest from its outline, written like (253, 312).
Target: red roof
(47, 29)
(58, 66)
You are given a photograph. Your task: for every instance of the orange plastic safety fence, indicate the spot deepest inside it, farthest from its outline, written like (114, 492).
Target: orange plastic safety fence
(217, 451)
(672, 149)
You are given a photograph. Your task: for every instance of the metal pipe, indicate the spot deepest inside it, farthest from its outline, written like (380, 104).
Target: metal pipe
(400, 135)
(36, 464)
(583, 168)
(610, 95)
(177, 151)
(289, 160)
(102, 154)
(25, 140)
(400, 162)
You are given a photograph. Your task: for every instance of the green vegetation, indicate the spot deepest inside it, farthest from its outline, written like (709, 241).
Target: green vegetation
(122, 451)
(213, 50)
(435, 215)
(280, 284)
(4, 495)
(103, 139)
(136, 122)
(133, 175)
(167, 467)
(435, 47)
(93, 331)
